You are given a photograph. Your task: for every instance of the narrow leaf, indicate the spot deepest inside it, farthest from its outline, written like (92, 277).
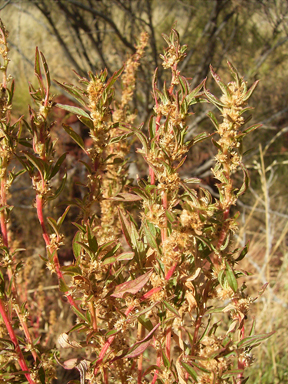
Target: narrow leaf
(231, 279)
(78, 139)
(171, 308)
(132, 286)
(190, 370)
(70, 108)
(57, 165)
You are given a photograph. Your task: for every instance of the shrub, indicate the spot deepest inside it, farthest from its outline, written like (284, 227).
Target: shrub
(155, 285)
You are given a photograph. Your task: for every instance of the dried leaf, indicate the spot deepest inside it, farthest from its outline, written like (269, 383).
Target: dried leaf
(132, 286)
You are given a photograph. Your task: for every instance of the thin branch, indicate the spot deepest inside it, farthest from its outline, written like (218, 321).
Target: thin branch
(106, 18)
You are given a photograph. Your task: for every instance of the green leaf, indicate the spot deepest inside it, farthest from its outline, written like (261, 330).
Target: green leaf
(62, 218)
(116, 139)
(78, 326)
(70, 108)
(213, 119)
(80, 227)
(252, 128)
(197, 139)
(60, 189)
(125, 256)
(231, 279)
(150, 238)
(37, 70)
(252, 329)
(222, 86)
(113, 78)
(199, 366)
(170, 216)
(140, 135)
(75, 244)
(71, 270)
(234, 73)
(92, 241)
(250, 91)
(171, 308)
(166, 361)
(246, 181)
(195, 93)
(63, 286)
(46, 71)
(217, 145)
(213, 100)
(112, 252)
(53, 224)
(37, 162)
(190, 370)
(87, 122)
(78, 139)
(57, 165)
(251, 341)
(109, 260)
(244, 252)
(73, 90)
(79, 314)
(111, 333)
(41, 375)
(145, 322)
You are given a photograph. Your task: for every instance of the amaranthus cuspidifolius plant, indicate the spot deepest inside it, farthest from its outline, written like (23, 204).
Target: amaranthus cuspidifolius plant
(154, 284)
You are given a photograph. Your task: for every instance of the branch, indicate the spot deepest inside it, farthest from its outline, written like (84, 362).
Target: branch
(47, 13)
(106, 18)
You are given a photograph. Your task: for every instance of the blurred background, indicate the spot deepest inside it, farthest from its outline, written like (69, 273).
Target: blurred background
(90, 35)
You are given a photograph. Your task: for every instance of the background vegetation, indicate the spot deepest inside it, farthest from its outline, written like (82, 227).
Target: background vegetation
(92, 35)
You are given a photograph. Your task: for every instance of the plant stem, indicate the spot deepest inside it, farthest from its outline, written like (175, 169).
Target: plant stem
(93, 315)
(140, 336)
(158, 363)
(39, 207)
(165, 206)
(13, 337)
(4, 231)
(2, 213)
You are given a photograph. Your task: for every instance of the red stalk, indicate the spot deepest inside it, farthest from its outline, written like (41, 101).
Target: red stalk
(150, 293)
(13, 337)
(170, 272)
(39, 207)
(168, 342)
(158, 362)
(103, 352)
(2, 214)
(108, 343)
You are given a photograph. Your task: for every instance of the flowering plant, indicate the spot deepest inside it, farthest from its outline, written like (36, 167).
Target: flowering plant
(155, 280)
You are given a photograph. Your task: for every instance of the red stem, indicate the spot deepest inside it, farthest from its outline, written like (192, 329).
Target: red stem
(170, 272)
(13, 337)
(2, 214)
(103, 352)
(39, 207)
(141, 334)
(158, 363)
(108, 343)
